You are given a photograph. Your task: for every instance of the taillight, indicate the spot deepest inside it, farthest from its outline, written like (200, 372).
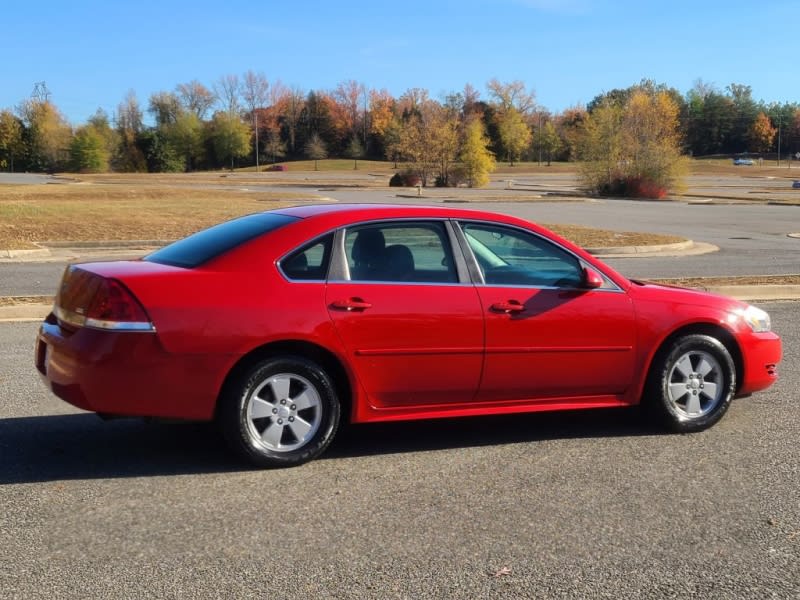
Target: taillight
(89, 300)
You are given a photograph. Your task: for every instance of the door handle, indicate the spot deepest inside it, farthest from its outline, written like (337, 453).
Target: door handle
(509, 307)
(351, 304)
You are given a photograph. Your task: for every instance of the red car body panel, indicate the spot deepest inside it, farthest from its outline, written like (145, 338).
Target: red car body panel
(417, 351)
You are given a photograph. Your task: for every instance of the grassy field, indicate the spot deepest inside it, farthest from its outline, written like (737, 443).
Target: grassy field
(34, 213)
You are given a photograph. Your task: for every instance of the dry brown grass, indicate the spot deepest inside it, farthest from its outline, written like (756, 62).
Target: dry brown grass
(32, 213)
(588, 237)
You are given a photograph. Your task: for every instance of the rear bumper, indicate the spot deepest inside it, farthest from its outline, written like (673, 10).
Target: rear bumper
(761, 353)
(125, 373)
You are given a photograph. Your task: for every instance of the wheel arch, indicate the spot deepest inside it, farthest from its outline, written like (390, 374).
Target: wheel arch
(725, 337)
(326, 359)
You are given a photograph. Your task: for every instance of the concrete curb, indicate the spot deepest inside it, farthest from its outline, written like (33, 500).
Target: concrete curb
(25, 254)
(613, 250)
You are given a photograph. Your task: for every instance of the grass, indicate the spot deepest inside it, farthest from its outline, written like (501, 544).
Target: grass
(34, 213)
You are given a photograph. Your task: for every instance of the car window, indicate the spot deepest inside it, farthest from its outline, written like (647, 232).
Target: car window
(210, 243)
(508, 256)
(411, 252)
(309, 262)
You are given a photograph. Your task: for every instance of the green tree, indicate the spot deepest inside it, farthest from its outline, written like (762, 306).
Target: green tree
(475, 156)
(548, 141)
(231, 137)
(88, 152)
(316, 149)
(186, 136)
(515, 135)
(10, 139)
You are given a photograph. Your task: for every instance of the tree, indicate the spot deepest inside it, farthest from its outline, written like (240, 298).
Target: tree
(762, 134)
(230, 137)
(196, 98)
(129, 156)
(274, 146)
(10, 139)
(475, 156)
(316, 149)
(512, 95)
(633, 149)
(88, 153)
(49, 135)
(515, 135)
(186, 136)
(548, 140)
(254, 92)
(165, 108)
(227, 89)
(355, 150)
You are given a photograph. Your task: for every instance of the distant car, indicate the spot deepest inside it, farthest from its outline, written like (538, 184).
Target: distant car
(277, 168)
(280, 324)
(796, 184)
(743, 161)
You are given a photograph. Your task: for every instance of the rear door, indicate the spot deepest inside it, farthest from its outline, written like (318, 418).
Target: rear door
(407, 314)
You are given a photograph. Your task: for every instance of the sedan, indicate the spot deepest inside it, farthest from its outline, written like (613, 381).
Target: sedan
(283, 324)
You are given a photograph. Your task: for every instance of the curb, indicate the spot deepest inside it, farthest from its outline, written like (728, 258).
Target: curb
(27, 253)
(612, 250)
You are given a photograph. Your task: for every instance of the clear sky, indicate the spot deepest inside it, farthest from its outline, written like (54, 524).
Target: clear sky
(91, 52)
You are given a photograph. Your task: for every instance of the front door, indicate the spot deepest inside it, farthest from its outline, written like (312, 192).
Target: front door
(546, 336)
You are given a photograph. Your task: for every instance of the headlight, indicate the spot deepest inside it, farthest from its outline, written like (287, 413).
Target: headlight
(757, 319)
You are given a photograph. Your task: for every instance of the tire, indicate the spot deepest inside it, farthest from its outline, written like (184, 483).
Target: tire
(282, 412)
(691, 384)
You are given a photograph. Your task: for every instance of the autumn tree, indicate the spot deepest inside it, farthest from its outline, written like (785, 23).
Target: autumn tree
(569, 125)
(512, 95)
(762, 134)
(476, 159)
(186, 136)
(274, 146)
(515, 135)
(633, 149)
(10, 139)
(49, 135)
(347, 109)
(292, 106)
(227, 90)
(316, 149)
(429, 139)
(230, 137)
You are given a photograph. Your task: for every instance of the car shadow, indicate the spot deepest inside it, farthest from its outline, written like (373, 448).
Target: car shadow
(82, 446)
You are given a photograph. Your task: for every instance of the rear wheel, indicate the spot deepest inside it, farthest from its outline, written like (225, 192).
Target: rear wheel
(282, 412)
(691, 384)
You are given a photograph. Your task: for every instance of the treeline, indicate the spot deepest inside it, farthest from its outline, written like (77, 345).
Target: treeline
(243, 121)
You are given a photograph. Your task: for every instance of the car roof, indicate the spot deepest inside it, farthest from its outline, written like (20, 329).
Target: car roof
(369, 211)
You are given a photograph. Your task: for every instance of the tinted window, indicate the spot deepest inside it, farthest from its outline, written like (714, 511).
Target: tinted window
(204, 245)
(509, 256)
(413, 252)
(310, 262)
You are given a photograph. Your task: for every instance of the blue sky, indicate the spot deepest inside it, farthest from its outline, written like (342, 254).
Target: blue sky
(91, 52)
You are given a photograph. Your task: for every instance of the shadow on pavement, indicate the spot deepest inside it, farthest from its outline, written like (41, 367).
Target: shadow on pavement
(82, 446)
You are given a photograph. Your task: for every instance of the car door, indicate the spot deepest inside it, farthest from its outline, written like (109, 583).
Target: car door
(547, 336)
(407, 314)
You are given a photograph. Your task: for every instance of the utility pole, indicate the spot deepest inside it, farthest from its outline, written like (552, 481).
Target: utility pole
(779, 139)
(255, 126)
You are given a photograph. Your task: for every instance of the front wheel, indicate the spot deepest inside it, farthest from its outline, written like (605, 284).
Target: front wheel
(282, 412)
(691, 384)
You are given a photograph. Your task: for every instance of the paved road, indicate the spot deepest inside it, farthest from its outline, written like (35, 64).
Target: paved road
(573, 505)
(752, 238)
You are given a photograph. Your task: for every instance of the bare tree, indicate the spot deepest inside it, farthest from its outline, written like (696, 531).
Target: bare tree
(512, 95)
(254, 92)
(196, 97)
(227, 89)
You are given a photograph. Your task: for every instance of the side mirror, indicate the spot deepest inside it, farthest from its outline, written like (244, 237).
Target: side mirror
(592, 279)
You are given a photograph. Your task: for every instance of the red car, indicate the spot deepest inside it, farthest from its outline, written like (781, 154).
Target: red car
(281, 324)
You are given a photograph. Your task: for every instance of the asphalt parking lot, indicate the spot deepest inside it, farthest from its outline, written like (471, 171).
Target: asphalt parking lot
(591, 504)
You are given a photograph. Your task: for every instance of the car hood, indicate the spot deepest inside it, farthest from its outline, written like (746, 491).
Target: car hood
(646, 290)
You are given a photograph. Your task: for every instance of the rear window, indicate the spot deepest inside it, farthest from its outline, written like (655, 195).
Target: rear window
(204, 245)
